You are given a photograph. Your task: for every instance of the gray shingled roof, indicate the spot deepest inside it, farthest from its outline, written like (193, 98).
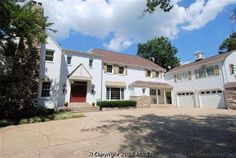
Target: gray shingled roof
(204, 61)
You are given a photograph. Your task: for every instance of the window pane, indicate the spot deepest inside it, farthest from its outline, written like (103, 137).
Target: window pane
(109, 68)
(202, 73)
(90, 63)
(115, 94)
(148, 73)
(45, 89)
(210, 71)
(179, 77)
(49, 55)
(122, 93)
(108, 94)
(68, 60)
(153, 92)
(185, 76)
(121, 70)
(143, 90)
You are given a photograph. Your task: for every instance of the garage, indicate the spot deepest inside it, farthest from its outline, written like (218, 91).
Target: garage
(186, 99)
(212, 99)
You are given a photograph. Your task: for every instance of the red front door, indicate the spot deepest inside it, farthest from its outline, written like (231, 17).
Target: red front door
(78, 92)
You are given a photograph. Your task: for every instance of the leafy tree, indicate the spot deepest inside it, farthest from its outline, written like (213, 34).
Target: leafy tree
(22, 29)
(228, 44)
(160, 51)
(165, 5)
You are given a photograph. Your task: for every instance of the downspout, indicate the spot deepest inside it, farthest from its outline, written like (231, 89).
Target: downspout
(223, 81)
(101, 80)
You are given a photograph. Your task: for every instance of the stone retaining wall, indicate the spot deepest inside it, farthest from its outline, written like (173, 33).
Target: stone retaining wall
(142, 101)
(230, 95)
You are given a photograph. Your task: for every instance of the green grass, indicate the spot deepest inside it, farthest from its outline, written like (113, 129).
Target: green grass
(56, 116)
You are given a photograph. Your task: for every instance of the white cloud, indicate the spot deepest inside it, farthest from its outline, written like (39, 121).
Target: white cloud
(205, 12)
(118, 44)
(120, 22)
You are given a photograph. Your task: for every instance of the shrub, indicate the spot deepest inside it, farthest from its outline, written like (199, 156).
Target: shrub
(119, 104)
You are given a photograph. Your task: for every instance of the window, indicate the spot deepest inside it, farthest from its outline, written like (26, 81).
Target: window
(90, 63)
(179, 77)
(159, 92)
(148, 73)
(68, 60)
(144, 90)
(109, 68)
(153, 92)
(185, 76)
(45, 89)
(158, 74)
(121, 70)
(207, 71)
(210, 71)
(115, 93)
(200, 73)
(49, 55)
(182, 76)
(231, 69)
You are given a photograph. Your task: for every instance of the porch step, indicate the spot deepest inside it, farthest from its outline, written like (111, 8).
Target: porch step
(83, 108)
(162, 105)
(79, 104)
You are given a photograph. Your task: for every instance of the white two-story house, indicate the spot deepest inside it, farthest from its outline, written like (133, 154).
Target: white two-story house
(127, 77)
(74, 77)
(208, 82)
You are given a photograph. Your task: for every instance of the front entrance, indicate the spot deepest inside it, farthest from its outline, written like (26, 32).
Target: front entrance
(78, 92)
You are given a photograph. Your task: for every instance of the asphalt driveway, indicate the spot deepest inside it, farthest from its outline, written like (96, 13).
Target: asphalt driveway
(150, 132)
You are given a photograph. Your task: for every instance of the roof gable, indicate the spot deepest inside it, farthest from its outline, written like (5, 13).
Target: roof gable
(80, 73)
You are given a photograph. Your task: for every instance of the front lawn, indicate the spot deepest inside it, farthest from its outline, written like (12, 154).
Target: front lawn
(60, 115)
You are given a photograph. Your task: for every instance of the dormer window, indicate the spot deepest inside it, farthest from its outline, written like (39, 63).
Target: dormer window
(49, 55)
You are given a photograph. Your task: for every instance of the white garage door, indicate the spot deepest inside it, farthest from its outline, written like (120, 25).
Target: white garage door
(186, 99)
(212, 99)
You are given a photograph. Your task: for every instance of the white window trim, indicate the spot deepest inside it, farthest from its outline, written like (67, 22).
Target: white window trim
(49, 61)
(206, 74)
(109, 96)
(46, 97)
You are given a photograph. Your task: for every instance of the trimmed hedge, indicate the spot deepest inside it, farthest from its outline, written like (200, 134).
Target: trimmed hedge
(116, 104)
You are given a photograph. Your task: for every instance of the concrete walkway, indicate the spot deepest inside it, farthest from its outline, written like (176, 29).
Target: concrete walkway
(165, 132)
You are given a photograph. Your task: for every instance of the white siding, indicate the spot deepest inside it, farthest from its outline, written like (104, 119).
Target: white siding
(50, 70)
(134, 74)
(194, 85)
(231, 59)
(95, 72)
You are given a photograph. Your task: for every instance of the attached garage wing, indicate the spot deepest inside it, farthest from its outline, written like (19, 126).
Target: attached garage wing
(212, 99)
(186, 99)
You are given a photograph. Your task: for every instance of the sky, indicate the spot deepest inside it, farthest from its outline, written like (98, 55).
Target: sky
(118, 25)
